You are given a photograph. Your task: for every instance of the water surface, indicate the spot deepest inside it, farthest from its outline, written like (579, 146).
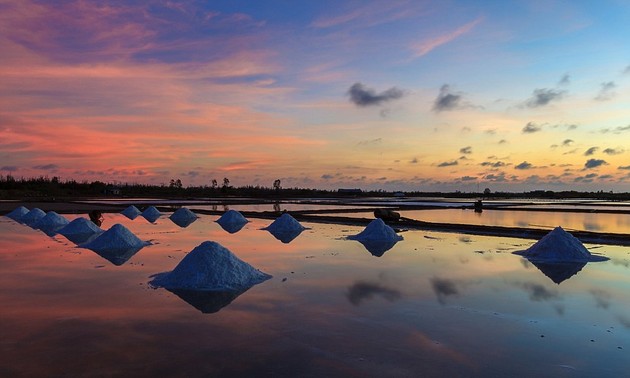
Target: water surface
(435, 304)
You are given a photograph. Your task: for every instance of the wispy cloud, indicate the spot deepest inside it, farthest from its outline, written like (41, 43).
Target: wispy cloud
(594, 163)
(531, 128)
(606, 92)
(448, 163)
(362, 96)
(591, 151)
(613, 151)
(524, 165)
(424, 47)
(449, 100)
(544, 96)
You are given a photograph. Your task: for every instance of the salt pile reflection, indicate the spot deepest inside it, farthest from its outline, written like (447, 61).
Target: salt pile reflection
(183, 217)
(232, 221)
(377, 237)
(117, 245)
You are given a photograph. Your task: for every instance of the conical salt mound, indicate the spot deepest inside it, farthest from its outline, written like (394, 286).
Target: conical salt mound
(151, 214)
(117, 238)
(377, 230)
(210, 266)
(131, 212)
(80, 230)
(33, 216)
(51, 221)
(232, 221)
(183, 217)
(559, 246)
(285, 224)
(18, 213)
(232, 217)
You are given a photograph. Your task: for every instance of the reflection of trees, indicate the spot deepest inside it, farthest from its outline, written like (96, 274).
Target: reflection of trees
(361, 291)
(276, 206)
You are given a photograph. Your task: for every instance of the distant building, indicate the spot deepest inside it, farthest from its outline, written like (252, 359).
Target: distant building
(399, 194)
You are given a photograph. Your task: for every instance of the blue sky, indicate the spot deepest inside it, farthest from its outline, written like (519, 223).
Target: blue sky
(394, 95)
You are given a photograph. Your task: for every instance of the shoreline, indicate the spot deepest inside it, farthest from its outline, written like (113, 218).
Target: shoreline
(328, 217)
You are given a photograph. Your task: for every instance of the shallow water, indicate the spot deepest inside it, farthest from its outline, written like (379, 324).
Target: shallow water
(596, 222)
(436, 304)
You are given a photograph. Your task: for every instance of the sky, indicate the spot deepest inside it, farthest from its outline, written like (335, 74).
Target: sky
(395, 95)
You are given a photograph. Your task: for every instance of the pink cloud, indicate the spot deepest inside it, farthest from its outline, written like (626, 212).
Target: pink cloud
(424, 47)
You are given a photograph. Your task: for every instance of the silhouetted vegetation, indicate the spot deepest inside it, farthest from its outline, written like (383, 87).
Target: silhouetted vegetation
(44, 187)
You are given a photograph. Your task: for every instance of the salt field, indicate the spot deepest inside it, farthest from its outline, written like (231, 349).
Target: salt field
(434, 304)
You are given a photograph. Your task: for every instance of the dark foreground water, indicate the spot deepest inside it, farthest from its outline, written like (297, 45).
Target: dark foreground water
(436, 304)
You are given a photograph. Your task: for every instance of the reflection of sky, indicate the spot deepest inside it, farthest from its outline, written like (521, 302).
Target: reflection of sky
(429, 305)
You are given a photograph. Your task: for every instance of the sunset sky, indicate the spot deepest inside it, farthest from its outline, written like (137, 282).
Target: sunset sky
(393, 95)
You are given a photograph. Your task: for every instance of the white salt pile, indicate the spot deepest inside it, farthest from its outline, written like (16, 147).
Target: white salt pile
(33, 216)
(131, 212)
(183, 217)
(286, 223)
(151, 214)
(80, 230)
(377, 231)
(285, 228)
(559, 246)
(51, 221)
(232, 221)
(210, 266)
(117, 238)
(17, 213)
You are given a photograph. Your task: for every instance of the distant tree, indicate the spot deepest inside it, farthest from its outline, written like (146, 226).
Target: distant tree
(226, 185)
(276, 185)
(177, 184)
(214, 184)
(487, 191)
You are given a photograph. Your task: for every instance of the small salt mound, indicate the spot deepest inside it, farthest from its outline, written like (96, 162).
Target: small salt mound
(151, 214)
(131, 212)
(377, 231)
(117, 238)
(286, 223)
(80, 230)
(285, 228)
(51, 221)
(183, 217)
(18, 213)
(232, 221)
(210, 266)
(33, 216)
(559, 246)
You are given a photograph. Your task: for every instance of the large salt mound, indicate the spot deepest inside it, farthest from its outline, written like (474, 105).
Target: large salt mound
(80, 230)
(232, 221)
(210, 266)
(131, 212)
(377, 231)
(151, 214)
(559, 246)
(183, 217)
(17, 213)
(33, 216)
(51, 221)
(117, 238)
